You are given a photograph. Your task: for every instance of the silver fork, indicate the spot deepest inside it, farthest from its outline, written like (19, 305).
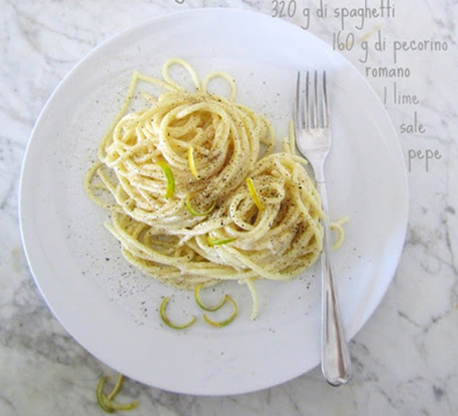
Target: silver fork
(314, 142)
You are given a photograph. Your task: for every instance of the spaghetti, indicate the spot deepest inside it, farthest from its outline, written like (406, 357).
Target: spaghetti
(197, 194)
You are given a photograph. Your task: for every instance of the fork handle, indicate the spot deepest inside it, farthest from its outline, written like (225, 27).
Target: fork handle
(335, 356)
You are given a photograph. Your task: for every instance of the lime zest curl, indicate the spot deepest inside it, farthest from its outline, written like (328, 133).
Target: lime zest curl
(205, 307)
(217, 324)
(254, 194)
(167, 321)
(170, 179)
(220, 324)
(213, 242)
(107, 403)
(192, 162)
(192, 211)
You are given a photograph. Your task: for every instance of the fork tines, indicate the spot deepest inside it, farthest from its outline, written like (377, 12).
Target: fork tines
(315, 113)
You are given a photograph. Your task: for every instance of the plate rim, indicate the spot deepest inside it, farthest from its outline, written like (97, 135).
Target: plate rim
(202, 12)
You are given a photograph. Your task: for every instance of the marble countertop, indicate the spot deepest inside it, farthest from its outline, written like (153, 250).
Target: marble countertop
(405, 359)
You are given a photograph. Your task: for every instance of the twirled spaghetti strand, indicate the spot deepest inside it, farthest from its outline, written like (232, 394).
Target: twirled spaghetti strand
(196, 194)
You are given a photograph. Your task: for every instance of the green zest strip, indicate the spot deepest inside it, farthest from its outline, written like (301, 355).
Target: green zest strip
(107, 402)
(101, 397)
(197, 213)
(254, 194)
(205, 307)
(212, 242)
(170, 179)
(167, 321)
(221, 324)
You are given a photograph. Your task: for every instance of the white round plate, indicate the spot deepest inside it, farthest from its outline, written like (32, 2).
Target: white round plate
(112, 309)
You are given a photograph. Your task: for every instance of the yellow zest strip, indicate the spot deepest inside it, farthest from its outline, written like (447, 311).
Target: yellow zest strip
(167, 321)
(212, 242)
(170, 179)
(106, 402)
(101, 397)
(205, 307)
(221, 324)
(197, 213)
(254, 194)
(192, 163)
